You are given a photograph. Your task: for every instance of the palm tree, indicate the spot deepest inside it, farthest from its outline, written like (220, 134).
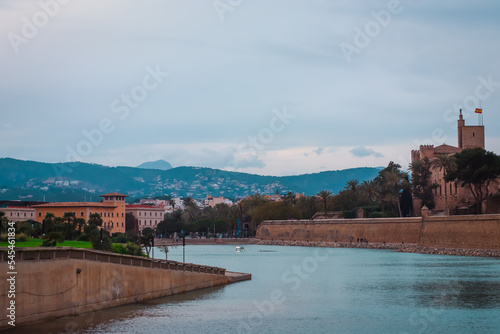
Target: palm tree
(395, 179)
(324, 195)
(370, 191)
(446, 164)
(352, 185)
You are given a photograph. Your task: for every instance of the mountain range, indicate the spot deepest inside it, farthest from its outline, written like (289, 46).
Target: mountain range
(77, 181)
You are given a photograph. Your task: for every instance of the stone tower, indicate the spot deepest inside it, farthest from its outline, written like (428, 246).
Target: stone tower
(469, 136)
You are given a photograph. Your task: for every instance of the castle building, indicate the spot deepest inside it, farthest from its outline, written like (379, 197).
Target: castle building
(457, 197)
(111, 210)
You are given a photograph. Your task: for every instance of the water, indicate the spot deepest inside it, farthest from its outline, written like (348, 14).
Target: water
(314, 290)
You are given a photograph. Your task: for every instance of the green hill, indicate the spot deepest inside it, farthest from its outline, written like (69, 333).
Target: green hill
(21, 179)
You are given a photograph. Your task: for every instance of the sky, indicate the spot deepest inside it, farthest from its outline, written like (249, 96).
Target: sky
(270, 87)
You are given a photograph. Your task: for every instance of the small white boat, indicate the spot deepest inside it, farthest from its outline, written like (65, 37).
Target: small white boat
(240, 249)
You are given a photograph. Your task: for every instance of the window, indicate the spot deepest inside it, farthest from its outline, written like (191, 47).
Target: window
(150, 214)
(112, 214)
(18, 214)
(139, 213)
(122, 214)
(25, 214)
(39, 214)
(81, 214)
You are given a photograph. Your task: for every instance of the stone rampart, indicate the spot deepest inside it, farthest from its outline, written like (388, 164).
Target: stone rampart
(468, 232)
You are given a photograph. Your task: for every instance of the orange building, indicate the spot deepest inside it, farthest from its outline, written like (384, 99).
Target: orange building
(111, 210)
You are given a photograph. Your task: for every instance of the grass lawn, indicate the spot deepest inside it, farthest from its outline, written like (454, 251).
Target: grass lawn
(38, 243)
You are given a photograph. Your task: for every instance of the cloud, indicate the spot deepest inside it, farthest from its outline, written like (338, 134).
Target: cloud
(319, 150)
(252, 161)
(362, 151)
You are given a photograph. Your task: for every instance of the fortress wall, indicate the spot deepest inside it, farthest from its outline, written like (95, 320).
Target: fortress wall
(390, 230)
(470, 232)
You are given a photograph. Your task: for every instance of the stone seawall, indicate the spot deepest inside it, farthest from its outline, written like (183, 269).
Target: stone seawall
(61, 282)
(473, 232)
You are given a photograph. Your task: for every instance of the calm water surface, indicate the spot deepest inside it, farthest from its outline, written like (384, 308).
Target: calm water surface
(314, 290)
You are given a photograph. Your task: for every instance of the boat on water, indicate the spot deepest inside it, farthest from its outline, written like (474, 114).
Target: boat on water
(240, 249)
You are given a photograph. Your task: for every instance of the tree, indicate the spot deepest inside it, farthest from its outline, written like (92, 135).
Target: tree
(274, 211)
(370, 191)
(446, 163)
(48, 223)
(190, 214)
(147, 239)
(324, 195)
(475, 169)
(95, 219)
(421, 184)
(391, 180)
(352, 185)
(3, 222)
(290, 198)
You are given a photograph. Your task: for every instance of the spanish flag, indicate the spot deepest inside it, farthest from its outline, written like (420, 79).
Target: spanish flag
(479, 111)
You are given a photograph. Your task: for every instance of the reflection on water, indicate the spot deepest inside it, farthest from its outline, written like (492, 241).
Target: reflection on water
(314, 290)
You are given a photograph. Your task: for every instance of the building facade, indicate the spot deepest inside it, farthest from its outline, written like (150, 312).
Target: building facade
(18, 213)
(455, 196)
(111, 210)
(145, 215)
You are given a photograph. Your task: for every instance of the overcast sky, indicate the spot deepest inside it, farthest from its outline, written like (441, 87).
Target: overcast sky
(274, 87)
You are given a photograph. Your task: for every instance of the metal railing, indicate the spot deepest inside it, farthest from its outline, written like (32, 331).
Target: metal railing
(58, 253)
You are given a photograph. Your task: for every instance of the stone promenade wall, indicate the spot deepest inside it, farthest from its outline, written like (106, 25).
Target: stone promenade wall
(55, 283)
(469, 232)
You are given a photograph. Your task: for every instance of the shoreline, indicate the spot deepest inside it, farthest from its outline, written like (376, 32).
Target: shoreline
(402, 248)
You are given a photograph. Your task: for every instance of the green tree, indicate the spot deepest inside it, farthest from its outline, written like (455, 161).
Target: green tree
(352, 186)
(475, 169)
(274, 211)
(391, 180)
(147, 239)
(421, 185)
(369, 191)
(290, 198)
(95, 219)
(324, 195)
(446, 163)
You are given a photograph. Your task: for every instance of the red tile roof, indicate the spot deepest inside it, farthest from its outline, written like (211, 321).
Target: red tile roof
(113, 194)
(140, 206)
(74, 204)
